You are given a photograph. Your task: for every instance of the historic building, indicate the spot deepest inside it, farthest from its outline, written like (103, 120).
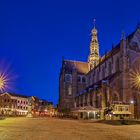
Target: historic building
(13, 104)
(41, 107)
(104, 87)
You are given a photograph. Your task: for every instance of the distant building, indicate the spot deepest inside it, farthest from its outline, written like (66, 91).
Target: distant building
(34, 102)
(103, 87)
(13, 104)
(19, 105)
(41, 107)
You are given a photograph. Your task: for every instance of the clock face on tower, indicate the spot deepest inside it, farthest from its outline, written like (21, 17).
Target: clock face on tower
(68, 78)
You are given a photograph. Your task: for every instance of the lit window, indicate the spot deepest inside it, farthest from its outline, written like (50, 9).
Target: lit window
(117, 65)
(120, 108)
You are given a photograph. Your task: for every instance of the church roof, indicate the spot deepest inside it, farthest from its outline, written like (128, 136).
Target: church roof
(115, 49)
(80, 67)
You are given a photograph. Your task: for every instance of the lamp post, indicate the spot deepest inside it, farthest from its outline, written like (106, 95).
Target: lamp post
(132, 108)
(132, 102)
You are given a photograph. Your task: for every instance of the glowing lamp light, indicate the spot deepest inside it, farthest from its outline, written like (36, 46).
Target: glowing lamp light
(135, 79)
(138, 78)
(131, 102)
(5, 82)
(1, 82)
(7, 77)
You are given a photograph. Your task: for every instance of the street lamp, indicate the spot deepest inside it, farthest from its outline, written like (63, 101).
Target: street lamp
(135, 79)
(2, 83)
(5, 81)
(132, 102)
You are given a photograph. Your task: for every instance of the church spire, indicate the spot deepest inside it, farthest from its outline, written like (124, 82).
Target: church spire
(94, 49)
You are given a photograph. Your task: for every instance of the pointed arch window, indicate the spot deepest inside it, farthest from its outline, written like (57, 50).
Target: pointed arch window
(93, 77)
(97, 76)
(81, 99)
(110, 68)
(115, 98)
(68, 78)
(117, 64)
(103, 72)
(83, 80)
(79, 79)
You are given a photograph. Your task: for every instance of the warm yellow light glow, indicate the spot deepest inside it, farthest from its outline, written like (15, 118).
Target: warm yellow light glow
(3, 82)
(135, 79)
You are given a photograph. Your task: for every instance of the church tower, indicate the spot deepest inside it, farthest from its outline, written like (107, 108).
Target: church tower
(93, 58)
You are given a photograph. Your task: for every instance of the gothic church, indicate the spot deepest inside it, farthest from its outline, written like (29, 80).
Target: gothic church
(106, 87)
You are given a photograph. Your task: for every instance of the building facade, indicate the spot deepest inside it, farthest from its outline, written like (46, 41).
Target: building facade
(103, 87)
(13, 104)
(41, 107)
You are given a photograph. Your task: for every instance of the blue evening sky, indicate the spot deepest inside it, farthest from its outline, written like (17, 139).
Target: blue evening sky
(34, 35)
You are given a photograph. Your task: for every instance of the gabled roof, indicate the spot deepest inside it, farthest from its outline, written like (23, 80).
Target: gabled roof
(80, 67)
(15, 95)
(35, 98)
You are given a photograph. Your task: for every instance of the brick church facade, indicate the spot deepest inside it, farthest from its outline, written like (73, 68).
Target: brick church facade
(106, 87)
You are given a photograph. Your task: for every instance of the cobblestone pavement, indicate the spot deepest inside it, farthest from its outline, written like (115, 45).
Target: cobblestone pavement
(56, 129)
